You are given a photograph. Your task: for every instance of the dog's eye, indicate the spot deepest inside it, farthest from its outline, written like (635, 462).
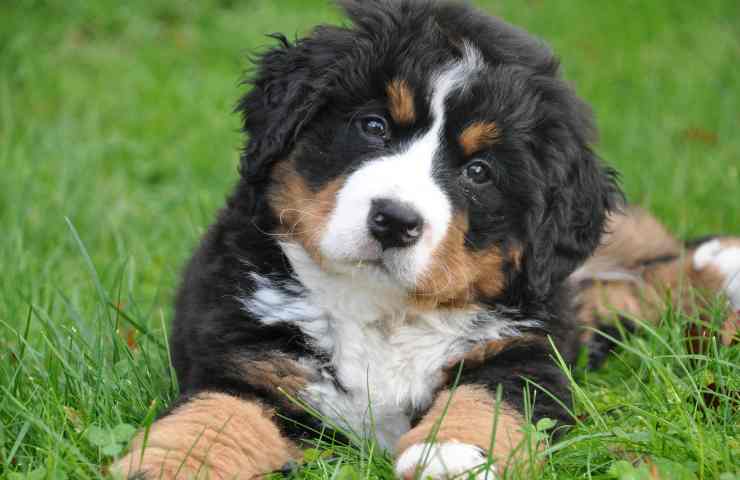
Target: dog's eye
(374, 126)
(478, 172)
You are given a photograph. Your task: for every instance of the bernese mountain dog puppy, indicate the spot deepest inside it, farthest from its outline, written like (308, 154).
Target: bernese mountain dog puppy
(413, 229)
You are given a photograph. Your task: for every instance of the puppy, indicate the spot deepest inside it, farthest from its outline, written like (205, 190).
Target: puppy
(415, 195)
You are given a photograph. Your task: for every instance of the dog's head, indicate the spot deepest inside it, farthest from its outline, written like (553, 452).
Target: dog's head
(429, 144)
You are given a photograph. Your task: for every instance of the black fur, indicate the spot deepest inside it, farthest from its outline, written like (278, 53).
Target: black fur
(550, 193)
(524, 366)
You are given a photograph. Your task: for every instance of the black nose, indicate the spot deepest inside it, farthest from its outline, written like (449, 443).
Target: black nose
(394, 224)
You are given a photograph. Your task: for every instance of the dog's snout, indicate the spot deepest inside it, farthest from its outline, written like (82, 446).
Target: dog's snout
(394, 224)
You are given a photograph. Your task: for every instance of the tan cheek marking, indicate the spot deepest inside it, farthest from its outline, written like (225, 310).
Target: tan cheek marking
(478, 136)
(303, 214)
(490, 276)
(401, 102)
(470, 419)
(212, 436)
(449, 277)
(455, 275)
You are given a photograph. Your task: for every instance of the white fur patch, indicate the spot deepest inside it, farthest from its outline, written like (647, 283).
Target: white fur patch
(387, 357)
(407, 177)
(727, 261)
(706, 253)
(443, 460)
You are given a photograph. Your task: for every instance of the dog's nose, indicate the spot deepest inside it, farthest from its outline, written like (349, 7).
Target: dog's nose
(394, 224)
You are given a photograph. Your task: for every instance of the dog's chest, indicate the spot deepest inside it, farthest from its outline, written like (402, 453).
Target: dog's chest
(380, 363)
(379, 360)
(380, 377)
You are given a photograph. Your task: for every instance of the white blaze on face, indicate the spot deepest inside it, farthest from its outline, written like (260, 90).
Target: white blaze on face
(407, 177)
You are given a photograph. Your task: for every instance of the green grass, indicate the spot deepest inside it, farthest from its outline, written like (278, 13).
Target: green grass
(117, 145)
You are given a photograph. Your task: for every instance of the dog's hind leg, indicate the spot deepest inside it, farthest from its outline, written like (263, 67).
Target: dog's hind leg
(640, 267)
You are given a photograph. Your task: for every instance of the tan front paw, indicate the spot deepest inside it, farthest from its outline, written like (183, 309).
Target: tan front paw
(443, 460)
(159, 464)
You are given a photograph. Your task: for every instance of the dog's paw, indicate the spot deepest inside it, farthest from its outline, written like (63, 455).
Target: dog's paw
(722, 255)
(443, 461)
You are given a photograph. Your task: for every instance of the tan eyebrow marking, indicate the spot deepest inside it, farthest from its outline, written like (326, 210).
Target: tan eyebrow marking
(478, 136)
(401, 102)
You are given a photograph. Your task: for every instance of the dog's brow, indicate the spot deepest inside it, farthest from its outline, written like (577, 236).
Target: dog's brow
(477, 136)
(401, 102)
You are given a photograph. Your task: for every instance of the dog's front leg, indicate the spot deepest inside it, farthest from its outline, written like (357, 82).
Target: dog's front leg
(466, 426)
(463, 438)
(211, 436)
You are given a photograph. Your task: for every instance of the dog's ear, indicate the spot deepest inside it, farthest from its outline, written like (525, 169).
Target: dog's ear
(568, 221)
(285, 94)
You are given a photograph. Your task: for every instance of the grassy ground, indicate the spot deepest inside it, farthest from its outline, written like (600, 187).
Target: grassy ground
(117, 145)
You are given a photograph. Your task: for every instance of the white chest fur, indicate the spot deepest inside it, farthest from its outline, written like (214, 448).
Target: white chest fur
(387, 359)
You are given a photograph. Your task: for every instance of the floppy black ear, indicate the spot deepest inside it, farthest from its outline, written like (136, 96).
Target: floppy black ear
(567, 225)
(285, 94)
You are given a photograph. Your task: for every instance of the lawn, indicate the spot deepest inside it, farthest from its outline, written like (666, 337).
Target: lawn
(118, 144)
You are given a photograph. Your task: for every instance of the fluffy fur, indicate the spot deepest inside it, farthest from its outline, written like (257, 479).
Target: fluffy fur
(415, 192)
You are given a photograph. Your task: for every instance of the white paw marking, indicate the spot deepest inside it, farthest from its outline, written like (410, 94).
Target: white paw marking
(705, 254)
(443, 460)
(727, 261)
